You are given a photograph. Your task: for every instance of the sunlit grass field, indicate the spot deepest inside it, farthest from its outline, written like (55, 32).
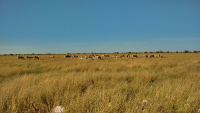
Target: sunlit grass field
(150, 85)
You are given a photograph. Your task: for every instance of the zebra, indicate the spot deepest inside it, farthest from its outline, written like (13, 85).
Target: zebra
(67, 56)
(134, 56)
(29, 57)
(116, 56)
(156, 56)
(144, 56)
(160, 56)
(75, 56)
(89, 57)
(128, 56)
(37, 57)
(20, 57)
(104, 56)
(151, 56)
(81, 57)
(51, 57)
(97, 57)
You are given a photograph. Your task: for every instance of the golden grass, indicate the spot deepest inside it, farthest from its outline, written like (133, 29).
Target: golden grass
(169, 84)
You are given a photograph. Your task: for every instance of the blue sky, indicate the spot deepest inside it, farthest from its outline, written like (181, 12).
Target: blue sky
(83, 26)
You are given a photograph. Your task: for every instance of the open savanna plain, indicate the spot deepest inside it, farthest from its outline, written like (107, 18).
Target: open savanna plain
(151, 85)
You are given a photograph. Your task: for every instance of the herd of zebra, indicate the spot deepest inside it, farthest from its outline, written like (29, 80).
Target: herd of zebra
(29, 57)
(97, 56)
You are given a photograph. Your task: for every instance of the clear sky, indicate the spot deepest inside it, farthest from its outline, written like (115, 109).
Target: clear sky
(84, 26)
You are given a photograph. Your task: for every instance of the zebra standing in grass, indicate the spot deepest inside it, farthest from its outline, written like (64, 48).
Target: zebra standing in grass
(156, 56)
(29, 57)
(97, 57)
(160, 56)
(150, 56)
(75, 56)
(104, 56)
(37, 57)
(67, 56)
(116, 56)
(128, 56)
(51, 57)
(134, 56)
(144, 56)
(20, 57)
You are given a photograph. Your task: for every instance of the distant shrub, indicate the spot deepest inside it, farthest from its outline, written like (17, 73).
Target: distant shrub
(194, 51)
(186, 51)
(167, 51)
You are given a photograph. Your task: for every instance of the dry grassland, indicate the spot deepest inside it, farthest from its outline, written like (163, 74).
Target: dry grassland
(151, 85)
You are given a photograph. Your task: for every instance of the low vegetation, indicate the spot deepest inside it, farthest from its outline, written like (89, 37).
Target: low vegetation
(165, 85)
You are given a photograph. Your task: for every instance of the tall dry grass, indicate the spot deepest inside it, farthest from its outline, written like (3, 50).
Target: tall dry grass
(169, 84)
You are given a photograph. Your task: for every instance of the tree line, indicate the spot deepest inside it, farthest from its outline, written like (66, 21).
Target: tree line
(186, 51)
